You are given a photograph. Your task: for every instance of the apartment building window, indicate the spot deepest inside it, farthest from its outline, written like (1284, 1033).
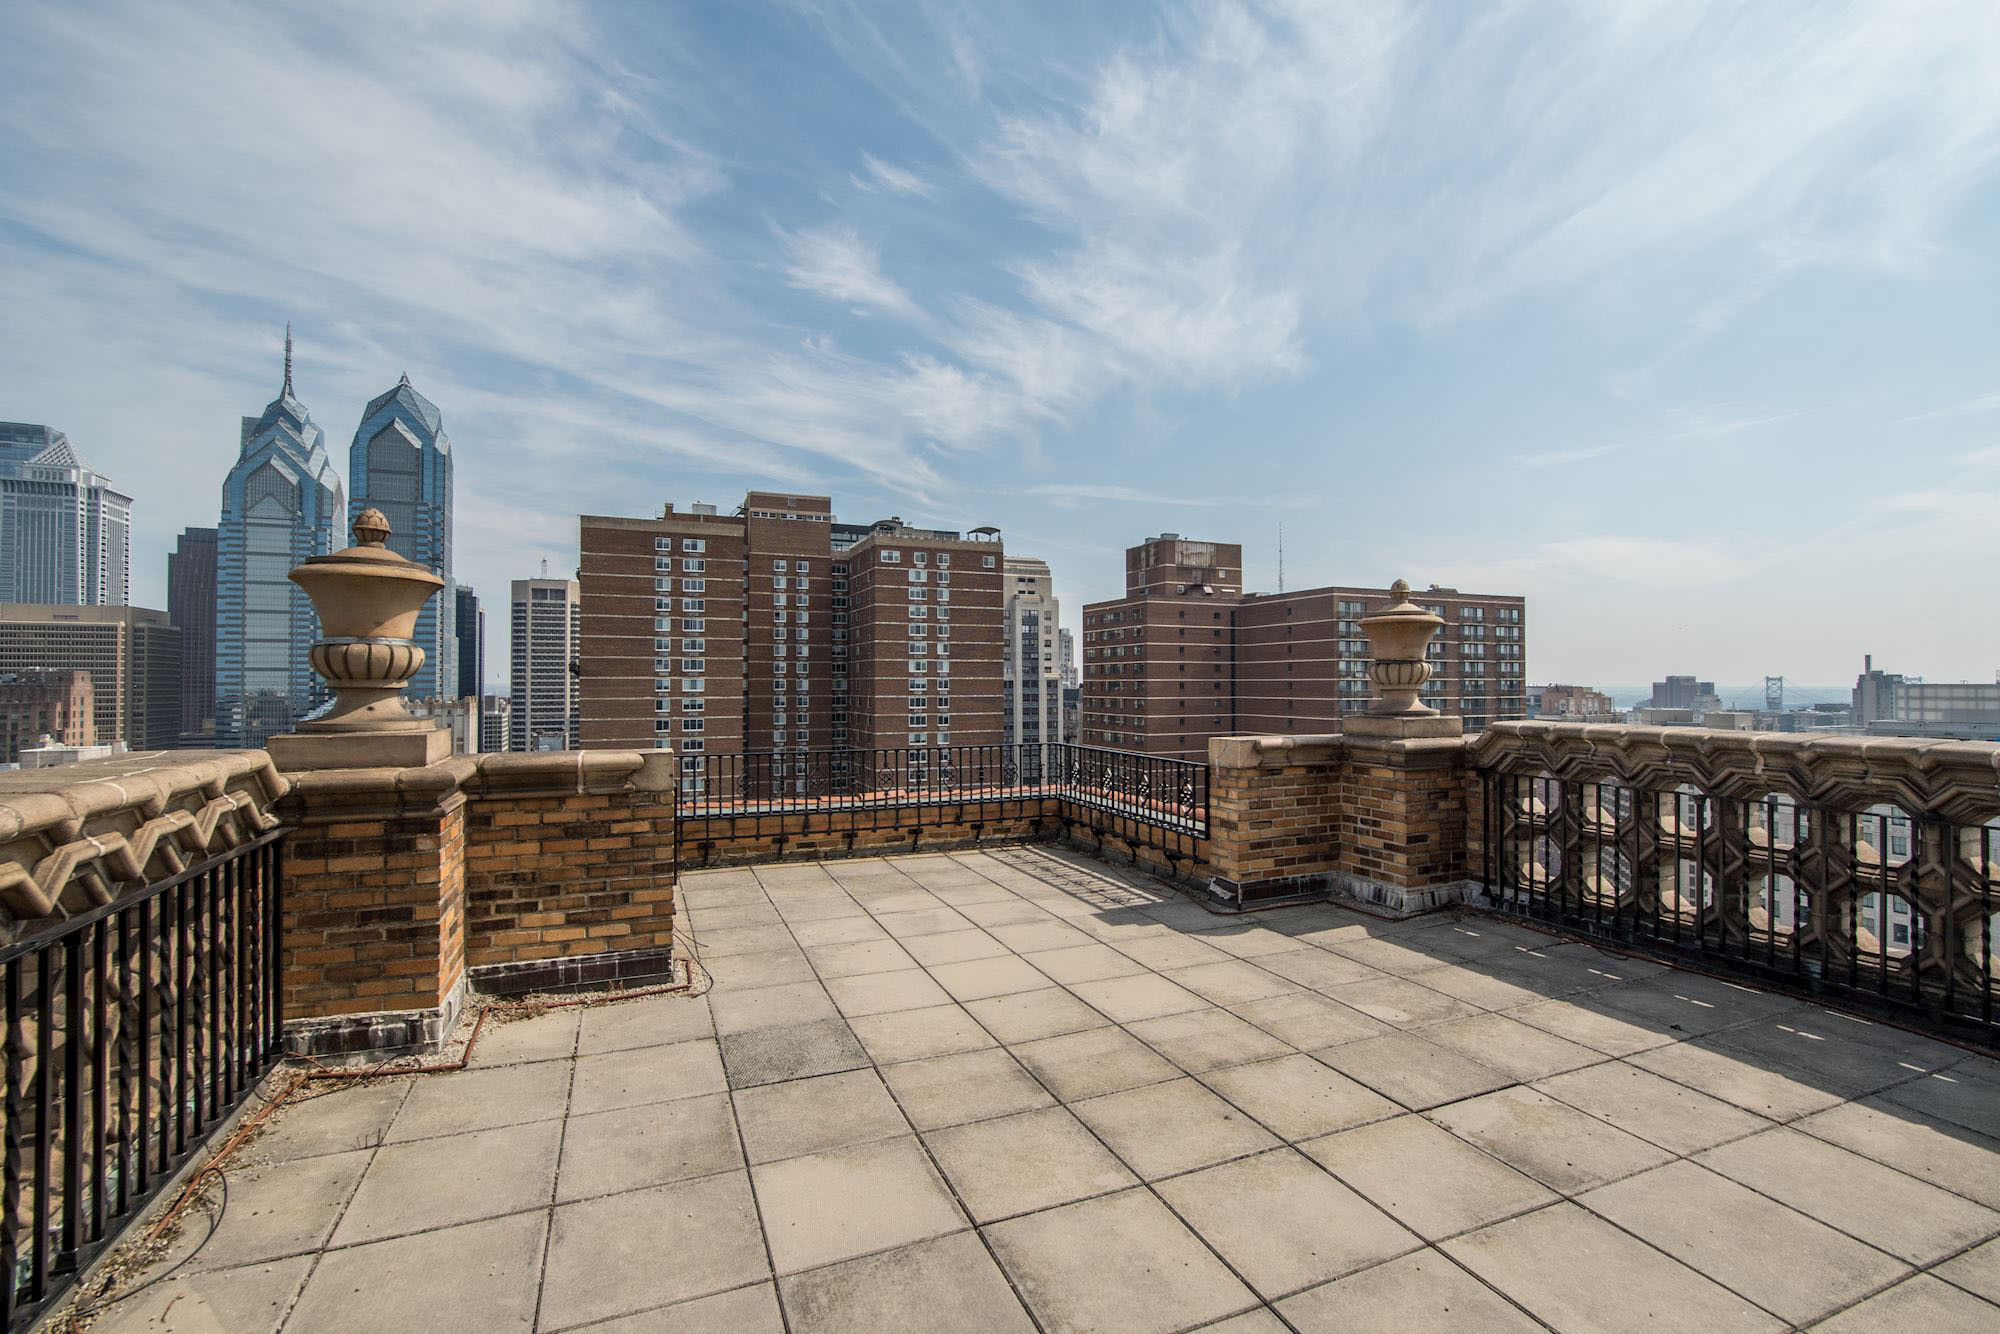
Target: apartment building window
(919, 594)
(987, 561)
(663, 544)
(694, 604)
(1472, 650)
(919, 738)
(782, 650)
(663, 684)
(943, 577)
(892, 558)
(919, 576)
(693, 725)
(1472, 632)
(663, 706)
(689, 665)
(694, 544)
(693, 687)
(663, 624)
(920, 557)
(694, 566)
(779, 566)
(663, 585)
(804, 567)
(693, 705)
(694, 646)
(663, 564)
(694, 745)
(781, 631)
(663, 724)
(780, 719)
(779, 738)
(1472, 613)
(918, 665)
(920, 630)
(1510, 615)
(694, 585)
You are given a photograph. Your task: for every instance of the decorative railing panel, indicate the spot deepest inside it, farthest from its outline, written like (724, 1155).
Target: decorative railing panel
(1864, 871)
(131, 1031)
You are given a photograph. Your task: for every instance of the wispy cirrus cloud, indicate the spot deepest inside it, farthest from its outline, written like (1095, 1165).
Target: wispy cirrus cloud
(877, 175)
(835, 263)
(1072, 495)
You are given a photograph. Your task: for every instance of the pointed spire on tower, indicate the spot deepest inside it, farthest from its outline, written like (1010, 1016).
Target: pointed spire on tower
(406, 377)
(287, 391)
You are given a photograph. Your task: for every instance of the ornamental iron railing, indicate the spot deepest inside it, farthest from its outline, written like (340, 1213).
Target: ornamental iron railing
(133, 1031)
(1879, 889)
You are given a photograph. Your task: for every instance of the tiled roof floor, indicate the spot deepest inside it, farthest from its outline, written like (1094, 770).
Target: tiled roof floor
(1018, 1089)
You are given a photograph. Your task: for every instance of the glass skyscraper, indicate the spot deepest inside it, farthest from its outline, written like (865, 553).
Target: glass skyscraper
(281, 502)
(65, 533)
(400, 463)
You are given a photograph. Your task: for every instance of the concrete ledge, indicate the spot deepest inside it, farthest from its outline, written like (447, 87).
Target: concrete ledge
(1230, 893)
(1399, 901)
(382, 1033)
(614, 969)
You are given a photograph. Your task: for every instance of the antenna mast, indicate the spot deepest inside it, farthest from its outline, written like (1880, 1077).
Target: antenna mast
(1281, 555)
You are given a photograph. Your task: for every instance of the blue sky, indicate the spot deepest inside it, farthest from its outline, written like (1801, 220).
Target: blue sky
(1683, 320)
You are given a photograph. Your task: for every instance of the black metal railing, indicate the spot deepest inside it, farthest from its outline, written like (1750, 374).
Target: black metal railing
(1881, 907)
(1145, 800)
(132, 1031)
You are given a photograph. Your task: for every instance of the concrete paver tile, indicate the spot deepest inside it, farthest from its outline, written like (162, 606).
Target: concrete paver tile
(330, 1120)
(1087, 963)
(1419, 1293)
(1918, 1303)
(646, 1248)
(1299, 1097)
(976, 979)
(1772, 1092)
(1202, 1040)
(650, 1021)
(1093, 1062)
(804, 1116)
(482, 1099)
(470, 1279)
(1514, 1049)
(649, 1145)
(1426, 1178)
(1032, 1160)
(885, 993)
(739, 1011)
(1668, 1114)
(858, 958)
(1414, 1072)
(1283, 1223)
(848, 1202)
(1885, 1208)
(912, 1035)
(1162, 1279)
(751, 1310)
(250, 1299)
(1309, 1021)
(794, 1051)
(1777, 1257)
(431, 1183)
(1024, 1016)
(1578, 1272)
(947, 1285)
(1550, 1141)
(647, 1074)
(970, 1086)
(1939, 1152)
(1162, 1129)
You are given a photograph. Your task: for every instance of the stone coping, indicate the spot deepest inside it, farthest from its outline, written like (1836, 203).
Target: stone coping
(1276, 752)
(65, 798)
(580, 771)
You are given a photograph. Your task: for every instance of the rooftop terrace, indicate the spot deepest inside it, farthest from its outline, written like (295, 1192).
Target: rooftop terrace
(1016, 1089)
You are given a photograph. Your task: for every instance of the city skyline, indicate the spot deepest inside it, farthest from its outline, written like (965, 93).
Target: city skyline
(1631, 329)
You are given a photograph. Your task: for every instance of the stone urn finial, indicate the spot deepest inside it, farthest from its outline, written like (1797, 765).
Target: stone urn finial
(368, 598)
(1398, 636)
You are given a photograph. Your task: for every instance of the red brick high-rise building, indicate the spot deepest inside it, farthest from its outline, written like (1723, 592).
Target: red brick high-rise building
(1186, 655)
(777, 631)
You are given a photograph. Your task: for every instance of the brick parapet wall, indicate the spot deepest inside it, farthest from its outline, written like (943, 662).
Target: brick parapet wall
(1403, 812)
(374, 894)
(940, 826)
(1274, 807)
(568, 855)
(397, 881)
